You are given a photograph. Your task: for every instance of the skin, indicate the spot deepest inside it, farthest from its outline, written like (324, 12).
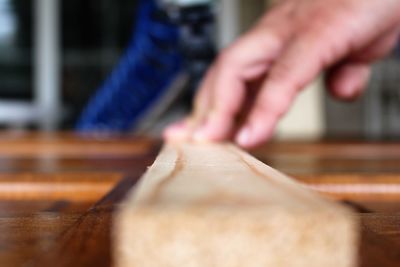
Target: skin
(253, 82)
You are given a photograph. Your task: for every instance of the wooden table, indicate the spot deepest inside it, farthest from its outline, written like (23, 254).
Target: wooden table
(58, 192)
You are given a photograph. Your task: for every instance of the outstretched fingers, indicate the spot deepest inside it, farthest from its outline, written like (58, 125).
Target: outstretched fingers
(298, 65)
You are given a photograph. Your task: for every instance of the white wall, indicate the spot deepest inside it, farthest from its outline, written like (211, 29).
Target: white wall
(305, 120)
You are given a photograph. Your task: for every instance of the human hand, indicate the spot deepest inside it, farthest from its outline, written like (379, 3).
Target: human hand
(254, 81)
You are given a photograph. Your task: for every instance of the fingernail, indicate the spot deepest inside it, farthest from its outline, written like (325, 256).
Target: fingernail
(243, 137)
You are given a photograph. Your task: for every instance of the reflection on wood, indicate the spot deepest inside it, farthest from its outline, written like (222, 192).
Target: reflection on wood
(67, 186)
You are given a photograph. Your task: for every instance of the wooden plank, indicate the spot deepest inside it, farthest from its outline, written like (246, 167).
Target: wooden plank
(214, 205)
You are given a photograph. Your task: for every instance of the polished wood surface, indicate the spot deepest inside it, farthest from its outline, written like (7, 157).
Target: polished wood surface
(58, 192)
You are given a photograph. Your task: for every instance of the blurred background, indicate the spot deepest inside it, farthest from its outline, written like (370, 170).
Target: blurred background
(133, 66)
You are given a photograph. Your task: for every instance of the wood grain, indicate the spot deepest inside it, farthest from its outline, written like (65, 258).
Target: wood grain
(50, 195)
(67, 231)
(214, 205)
(88, 240)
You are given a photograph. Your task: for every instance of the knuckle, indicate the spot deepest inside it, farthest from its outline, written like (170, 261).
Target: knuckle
(290, 76)
(281, 72)
(285, 78)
